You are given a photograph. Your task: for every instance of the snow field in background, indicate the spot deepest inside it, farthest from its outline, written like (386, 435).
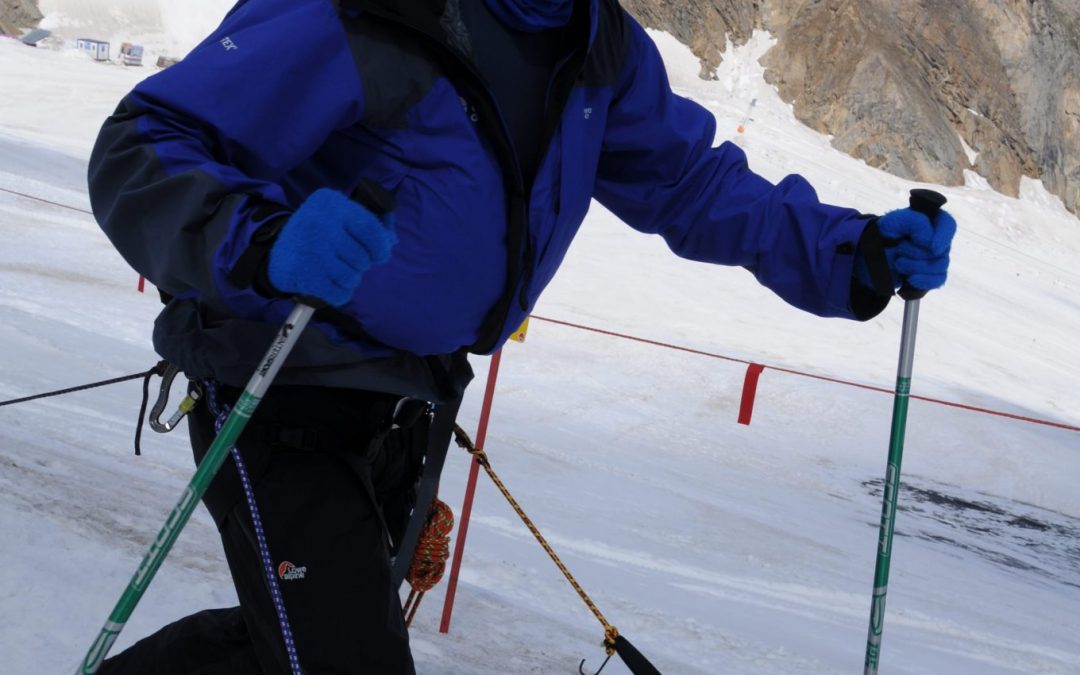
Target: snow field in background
(714, 547)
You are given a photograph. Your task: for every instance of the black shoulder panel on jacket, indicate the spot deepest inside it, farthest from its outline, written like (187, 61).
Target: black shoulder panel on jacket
(608, 54)
(395, 67)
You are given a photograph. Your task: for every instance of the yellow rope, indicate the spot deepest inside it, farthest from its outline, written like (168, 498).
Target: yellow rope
(610, 632)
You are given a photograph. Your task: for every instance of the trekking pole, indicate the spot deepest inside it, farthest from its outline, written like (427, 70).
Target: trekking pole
(215, 457)
(927, 202)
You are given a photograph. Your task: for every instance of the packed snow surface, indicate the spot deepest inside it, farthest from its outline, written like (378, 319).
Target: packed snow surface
(714, 547)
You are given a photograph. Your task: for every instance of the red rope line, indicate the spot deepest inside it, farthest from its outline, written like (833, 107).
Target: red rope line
(698, 352)
(46, 201)
(824, 378)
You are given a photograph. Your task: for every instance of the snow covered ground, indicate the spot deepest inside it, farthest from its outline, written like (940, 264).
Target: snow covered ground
(715, 547)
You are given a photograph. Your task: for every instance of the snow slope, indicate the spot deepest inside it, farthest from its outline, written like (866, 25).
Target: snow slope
(714, 547)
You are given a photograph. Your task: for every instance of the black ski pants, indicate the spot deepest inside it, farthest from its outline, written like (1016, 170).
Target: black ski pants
(328, 492)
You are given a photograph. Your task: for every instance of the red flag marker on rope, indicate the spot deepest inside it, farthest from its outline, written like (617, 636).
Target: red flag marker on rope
(749, 392)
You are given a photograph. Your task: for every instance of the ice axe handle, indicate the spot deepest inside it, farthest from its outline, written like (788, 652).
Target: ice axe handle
(929, 203)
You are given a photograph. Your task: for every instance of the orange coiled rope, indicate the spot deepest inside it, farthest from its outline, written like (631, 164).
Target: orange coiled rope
(429, 560)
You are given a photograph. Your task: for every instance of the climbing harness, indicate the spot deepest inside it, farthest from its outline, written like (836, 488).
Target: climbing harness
(613, 643)
(439, 432)
(424, 549)
(233, 425)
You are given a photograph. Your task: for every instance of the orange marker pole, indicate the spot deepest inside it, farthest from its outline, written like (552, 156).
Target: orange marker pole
(470, 490)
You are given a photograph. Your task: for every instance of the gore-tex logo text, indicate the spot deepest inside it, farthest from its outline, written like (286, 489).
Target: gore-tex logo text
(287, 571)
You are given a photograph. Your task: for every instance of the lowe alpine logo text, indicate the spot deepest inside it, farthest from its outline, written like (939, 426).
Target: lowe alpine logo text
(287, 571)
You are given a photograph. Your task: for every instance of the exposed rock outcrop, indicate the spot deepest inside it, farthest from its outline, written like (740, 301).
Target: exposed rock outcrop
(705, 26)
(18, 15)
(899, 84)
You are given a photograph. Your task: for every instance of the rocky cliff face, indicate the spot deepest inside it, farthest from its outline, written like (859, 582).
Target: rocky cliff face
(703, 25)
(18, 15)
(899, 83)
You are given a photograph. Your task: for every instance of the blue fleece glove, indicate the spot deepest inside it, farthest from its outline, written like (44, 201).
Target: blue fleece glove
(326, 246)
(916, 250)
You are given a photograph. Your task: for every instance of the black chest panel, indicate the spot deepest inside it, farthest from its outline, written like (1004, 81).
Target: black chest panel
(517, 68)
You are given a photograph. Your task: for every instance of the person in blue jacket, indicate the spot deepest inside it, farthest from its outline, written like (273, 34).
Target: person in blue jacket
(419, 170)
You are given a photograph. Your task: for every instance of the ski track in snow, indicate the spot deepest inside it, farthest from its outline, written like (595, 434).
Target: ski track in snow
(712, 546)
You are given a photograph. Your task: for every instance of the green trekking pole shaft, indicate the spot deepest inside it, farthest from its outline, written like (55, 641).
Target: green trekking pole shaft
(928, 202)
(249, 400)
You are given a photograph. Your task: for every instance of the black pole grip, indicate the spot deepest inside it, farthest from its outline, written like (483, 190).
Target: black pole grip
(927, 202)
(634, 660)
(373, 197)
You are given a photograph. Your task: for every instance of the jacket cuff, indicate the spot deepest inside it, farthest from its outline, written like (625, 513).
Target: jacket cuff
(867, 302)
(251, 268)
(871, 251)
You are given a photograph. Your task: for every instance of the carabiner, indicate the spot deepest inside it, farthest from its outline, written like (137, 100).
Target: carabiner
(186, 405)
(581, 666)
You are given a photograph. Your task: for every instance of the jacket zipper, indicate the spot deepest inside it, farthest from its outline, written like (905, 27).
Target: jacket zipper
(519, 243)
(552, 119)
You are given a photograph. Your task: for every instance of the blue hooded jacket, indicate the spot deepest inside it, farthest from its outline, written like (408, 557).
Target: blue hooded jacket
(203, 160)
